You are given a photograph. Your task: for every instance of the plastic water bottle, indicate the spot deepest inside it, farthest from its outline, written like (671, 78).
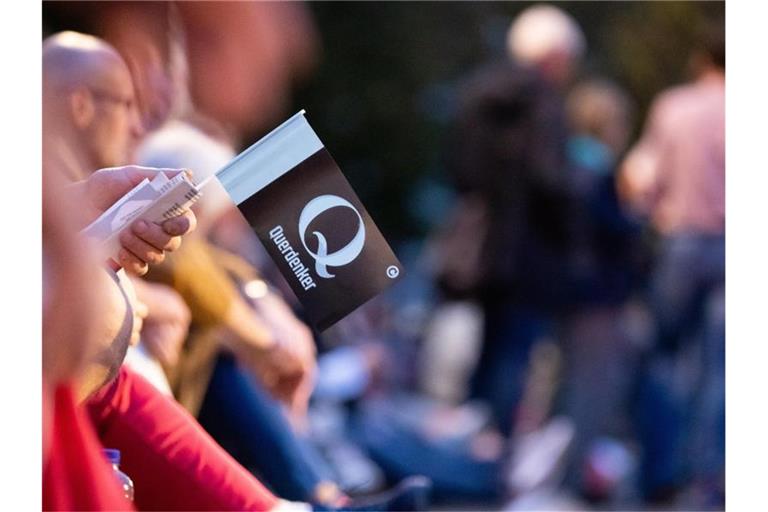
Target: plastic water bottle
(113, 456)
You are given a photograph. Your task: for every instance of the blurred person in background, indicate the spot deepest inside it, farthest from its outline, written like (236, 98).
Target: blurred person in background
(506, 247)
(605, 272)
(256, 96)
(508, 160)
(675, 177)
(548, 40)
(600, 116)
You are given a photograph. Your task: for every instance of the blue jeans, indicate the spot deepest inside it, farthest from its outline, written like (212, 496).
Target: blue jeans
(681, 399)
(250, 425)
(401, 451)
(499, 378)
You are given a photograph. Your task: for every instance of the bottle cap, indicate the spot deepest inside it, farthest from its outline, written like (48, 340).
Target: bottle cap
(112, 455)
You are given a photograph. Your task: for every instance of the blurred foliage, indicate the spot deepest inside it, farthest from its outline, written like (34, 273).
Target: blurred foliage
(385, 90)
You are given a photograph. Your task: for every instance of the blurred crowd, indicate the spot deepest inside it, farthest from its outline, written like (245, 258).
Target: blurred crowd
(561, 347)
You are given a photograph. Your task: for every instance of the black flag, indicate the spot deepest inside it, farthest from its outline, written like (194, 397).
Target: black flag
(311, 222)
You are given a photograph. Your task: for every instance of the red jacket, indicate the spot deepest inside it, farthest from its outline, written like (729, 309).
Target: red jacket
(76, 476)
(173, 462)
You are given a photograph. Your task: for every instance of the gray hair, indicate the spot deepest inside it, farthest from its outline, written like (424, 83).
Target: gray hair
(539, 31)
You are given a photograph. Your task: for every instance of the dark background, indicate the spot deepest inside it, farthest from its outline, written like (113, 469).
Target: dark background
(385, 90)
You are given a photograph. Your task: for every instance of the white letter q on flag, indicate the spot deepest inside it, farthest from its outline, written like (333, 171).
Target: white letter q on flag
(343, 256)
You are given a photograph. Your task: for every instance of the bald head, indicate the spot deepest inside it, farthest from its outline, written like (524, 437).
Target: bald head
(88, 99)
(71, 59)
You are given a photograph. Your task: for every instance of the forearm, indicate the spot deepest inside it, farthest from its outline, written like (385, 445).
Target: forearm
(113, 332)
(637, 182)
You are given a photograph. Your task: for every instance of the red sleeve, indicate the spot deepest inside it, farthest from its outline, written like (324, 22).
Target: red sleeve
(75, 474)
(173, 462)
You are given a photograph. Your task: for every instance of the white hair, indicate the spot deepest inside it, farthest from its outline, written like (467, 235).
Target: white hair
(541, 30)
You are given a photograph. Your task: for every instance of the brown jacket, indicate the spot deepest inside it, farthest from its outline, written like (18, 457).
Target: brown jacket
(208, 279)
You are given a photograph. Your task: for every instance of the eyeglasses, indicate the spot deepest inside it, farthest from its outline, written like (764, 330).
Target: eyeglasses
(128, 103)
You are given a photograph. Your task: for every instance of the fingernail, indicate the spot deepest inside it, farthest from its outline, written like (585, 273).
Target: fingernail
(140, 227)
(177, 226)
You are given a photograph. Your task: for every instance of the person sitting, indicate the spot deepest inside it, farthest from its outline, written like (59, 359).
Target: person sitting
(128, 412)
(82, 338)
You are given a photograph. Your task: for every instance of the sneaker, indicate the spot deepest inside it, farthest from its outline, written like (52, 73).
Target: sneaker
(538, 456)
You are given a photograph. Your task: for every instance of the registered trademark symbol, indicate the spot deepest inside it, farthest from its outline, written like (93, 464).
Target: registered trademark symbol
(392, 271)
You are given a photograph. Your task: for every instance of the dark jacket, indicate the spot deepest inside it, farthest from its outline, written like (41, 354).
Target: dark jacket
(508, 148)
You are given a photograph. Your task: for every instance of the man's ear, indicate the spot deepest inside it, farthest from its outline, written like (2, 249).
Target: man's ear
(81, 106)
